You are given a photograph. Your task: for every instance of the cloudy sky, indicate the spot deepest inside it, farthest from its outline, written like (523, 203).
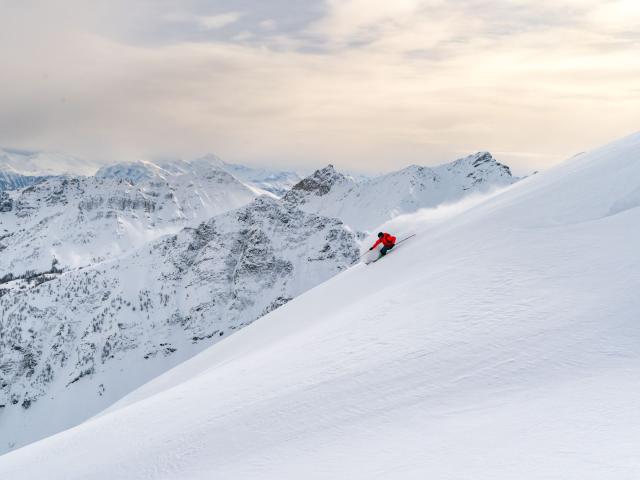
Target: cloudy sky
(369, 85)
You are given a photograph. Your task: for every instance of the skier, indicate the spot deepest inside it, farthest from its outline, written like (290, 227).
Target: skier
(387, 241)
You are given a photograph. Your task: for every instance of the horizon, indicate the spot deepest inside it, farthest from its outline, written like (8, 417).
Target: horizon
(91, 168)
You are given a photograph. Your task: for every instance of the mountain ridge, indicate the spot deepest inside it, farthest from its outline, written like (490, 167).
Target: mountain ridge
(365, 205)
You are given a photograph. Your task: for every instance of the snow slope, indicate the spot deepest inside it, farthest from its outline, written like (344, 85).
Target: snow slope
(500, 343)
(366, 204)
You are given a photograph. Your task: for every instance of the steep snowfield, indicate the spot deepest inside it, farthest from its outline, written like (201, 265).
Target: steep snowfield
(366, 204)
(502, 342)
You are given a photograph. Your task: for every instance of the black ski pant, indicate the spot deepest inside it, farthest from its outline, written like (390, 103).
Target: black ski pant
(385, 249)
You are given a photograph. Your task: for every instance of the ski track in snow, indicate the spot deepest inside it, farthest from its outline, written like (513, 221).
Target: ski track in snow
(501, 343)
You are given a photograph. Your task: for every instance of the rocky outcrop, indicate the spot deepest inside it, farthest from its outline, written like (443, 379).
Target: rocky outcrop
(319, 183)
(6, 203)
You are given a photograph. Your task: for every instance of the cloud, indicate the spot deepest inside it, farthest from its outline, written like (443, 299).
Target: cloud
(207, 22)
(218, 21)
(368, 85)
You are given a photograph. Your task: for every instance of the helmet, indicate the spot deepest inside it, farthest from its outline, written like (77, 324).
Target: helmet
(380, 234)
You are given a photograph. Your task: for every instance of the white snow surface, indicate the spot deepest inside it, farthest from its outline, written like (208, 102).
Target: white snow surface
(501, 342)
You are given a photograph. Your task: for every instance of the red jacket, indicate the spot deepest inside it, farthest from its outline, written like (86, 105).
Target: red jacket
(386, 239)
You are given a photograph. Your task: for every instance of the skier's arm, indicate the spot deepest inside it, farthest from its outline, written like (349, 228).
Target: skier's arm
(378, 242)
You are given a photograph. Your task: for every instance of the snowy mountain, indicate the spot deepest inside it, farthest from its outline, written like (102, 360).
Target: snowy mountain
(78, 221)
(501, 342)
(74, 343)
(133, 172)
(276, 182)
(366, 204)
(11, 179)
(43, 164)
(263, 180)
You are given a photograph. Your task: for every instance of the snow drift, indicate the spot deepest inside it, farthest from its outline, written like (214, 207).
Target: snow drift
(501, 342)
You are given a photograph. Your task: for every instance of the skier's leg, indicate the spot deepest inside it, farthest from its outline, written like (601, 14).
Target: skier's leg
(383, 251)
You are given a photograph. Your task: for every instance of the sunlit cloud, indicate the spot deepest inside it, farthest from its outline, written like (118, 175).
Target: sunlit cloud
(366, 84)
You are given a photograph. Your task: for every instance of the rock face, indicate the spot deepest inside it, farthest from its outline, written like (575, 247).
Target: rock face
(365, 205)
(82, 339)
(79, 221)
(6, 203)
(319, 183)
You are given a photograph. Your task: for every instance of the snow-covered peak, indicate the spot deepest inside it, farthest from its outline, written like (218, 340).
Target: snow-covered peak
(365, 205)
(20, 168)
(133, 171)
(481, 164)
(275, 182)
(144, 170)
(11, 179)
(320, 182)
(210, 160)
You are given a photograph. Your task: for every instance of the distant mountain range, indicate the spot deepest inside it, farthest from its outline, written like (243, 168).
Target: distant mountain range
(264, 180)
(79, 221)
(21, 168)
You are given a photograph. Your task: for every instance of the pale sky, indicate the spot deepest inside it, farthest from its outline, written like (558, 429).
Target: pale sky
(369, 85)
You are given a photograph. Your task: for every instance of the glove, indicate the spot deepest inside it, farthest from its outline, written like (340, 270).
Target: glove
(371, 249)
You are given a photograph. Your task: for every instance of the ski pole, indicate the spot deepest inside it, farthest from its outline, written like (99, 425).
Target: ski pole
(412, 235)
(361, 256)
